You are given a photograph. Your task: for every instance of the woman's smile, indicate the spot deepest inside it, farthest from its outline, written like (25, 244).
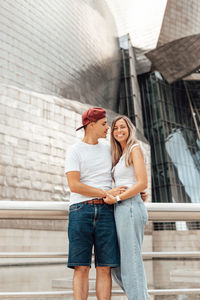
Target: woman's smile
(121, 131)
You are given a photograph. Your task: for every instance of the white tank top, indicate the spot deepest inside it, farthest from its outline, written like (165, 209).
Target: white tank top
(124, 175)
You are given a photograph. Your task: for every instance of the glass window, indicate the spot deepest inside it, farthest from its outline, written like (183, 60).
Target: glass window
(170, 130)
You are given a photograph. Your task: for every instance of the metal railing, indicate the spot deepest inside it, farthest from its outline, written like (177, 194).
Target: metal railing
(158, 212)
(65, 294)
(59, 210)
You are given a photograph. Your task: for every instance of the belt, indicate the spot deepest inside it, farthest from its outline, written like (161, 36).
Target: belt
(95, 201)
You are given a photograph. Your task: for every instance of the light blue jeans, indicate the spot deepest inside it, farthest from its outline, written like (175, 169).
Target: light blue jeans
(131, 216)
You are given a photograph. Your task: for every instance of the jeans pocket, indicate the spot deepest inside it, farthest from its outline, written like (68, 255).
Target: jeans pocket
(144, 213)
(109, 207)
(75, 207)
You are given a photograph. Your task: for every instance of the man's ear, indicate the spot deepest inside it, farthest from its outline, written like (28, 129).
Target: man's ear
(91, 125)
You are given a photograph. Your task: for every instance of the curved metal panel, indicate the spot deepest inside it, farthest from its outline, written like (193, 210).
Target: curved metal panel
(68, 48)
(178, 58)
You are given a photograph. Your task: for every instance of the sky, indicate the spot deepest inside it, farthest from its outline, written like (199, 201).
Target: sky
(142, 19)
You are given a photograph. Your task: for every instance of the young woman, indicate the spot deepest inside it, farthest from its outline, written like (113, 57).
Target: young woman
(130, 212)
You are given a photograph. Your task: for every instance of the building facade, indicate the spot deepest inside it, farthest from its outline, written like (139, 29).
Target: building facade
(170, 129)
(64, 48)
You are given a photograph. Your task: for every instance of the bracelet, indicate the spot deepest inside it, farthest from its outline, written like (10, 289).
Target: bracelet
(117, 198)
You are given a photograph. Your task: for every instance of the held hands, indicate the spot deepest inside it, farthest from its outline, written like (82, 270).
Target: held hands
(118, 190)
(109, 199)
(111, 194)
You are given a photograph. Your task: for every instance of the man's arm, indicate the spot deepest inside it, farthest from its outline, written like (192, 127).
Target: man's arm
(78, 187)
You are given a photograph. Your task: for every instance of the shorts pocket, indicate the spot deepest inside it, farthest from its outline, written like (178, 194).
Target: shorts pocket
(75, 207)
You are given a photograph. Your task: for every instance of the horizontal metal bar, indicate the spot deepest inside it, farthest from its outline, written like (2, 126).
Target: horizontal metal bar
(146, 255)
(175, 292)
(173, 211)
(52, 294)
(188, 254)
(59, 210)
(33, 255)
(53, 210)
(35, 294)
(35, 205)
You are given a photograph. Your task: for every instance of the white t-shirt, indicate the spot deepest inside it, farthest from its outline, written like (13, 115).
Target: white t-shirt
(94, 163)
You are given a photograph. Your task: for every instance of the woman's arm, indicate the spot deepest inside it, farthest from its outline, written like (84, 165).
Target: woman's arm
(141, 176)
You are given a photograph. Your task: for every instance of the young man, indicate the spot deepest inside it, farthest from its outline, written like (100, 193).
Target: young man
(91, 221)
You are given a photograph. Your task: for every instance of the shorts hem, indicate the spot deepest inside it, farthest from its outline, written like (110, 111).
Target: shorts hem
(72, 266)
(107, 265)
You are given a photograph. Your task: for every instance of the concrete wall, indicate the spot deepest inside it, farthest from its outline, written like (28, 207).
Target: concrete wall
(174, 273)
(22, 274)
(44, 274)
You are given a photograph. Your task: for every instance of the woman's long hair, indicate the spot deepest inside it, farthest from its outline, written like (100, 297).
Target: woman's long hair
(116, 149)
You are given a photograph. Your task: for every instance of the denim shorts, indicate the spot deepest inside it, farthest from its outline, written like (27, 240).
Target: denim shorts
(92, 225)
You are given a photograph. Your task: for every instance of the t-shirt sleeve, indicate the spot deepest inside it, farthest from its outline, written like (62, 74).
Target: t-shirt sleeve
(72, 162)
